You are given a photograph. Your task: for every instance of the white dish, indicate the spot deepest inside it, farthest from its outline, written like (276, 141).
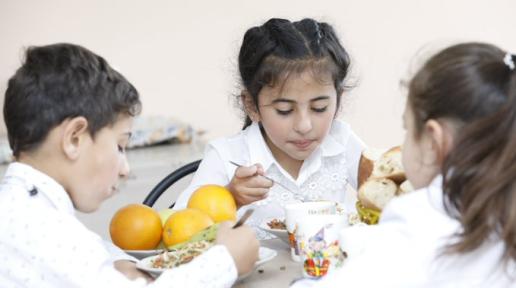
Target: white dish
(280, 233)
(140, 254)
(264, 255)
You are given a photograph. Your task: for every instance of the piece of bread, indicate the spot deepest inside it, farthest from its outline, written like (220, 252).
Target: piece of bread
(375, 193)
(366, 164)
(390, 166)
(405, 187)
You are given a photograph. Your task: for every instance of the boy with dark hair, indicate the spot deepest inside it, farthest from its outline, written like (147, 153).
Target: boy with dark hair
(69, 116)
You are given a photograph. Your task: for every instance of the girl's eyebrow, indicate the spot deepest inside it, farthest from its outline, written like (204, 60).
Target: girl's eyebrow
(279, 100)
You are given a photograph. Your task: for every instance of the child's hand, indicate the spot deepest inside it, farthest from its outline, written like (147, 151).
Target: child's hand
(241, 244)
(130, 271)
(248, 184)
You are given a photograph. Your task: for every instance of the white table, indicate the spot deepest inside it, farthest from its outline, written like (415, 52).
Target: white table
(278, 272)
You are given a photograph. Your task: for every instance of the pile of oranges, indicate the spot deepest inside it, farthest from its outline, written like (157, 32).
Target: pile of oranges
(139, 227)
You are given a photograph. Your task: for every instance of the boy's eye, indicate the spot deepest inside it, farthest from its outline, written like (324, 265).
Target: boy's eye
(121, 149)
(284, 112)
(319, 110)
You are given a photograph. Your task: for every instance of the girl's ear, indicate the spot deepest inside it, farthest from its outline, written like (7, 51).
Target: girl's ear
(75, 134)
(250, 106)
(439, 141)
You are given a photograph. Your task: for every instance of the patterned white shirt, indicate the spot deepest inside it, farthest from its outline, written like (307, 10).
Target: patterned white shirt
(405, 250)
(324, 175)
(43, 244)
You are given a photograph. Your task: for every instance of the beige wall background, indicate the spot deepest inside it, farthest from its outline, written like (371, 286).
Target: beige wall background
(181, 54)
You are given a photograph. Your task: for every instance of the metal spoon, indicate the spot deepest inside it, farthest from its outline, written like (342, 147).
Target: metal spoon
(268, 178)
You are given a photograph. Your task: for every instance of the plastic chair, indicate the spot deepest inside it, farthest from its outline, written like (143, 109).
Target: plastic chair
(172, 178)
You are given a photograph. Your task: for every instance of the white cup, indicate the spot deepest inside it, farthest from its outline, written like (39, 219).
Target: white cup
(317, 239)
(294, 212)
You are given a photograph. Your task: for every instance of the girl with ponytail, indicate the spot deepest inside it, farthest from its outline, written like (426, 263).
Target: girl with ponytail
(459, 228)
(293, 78)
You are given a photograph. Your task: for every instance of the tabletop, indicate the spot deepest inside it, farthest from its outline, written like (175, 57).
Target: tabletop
(278, 272)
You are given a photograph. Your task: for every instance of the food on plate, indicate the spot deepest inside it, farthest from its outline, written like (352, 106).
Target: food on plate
(180, 255)
(136, 227)
(208, 234)
(216, 201)
(381, 177)
(277, 224)
(184, 224)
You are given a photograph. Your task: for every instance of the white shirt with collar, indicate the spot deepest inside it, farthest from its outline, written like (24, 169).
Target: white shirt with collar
(404, 250)
(43, 244)
(324, 175)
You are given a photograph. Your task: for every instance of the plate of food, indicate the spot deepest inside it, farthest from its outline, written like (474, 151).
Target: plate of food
(140, 254)
(155, 265)
(275, 227)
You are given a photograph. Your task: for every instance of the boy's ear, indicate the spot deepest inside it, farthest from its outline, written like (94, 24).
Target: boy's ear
(75, 133)
(439, 142)
(250, 106)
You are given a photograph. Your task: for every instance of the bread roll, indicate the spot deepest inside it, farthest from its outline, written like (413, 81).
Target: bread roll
(375, 193)
(405, 187)
(390, 166)
(367, 162)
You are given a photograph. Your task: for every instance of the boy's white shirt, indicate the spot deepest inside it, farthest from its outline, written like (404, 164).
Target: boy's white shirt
(324, 175)
(43, 244)
(402, 250)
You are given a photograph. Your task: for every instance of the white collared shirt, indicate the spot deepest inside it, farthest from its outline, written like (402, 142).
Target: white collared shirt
(404, 250)
(324, 175)
(43, 244)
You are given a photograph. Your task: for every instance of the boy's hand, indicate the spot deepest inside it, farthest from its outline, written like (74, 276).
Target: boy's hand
(241, 244)
(248, 184)
(130, 271)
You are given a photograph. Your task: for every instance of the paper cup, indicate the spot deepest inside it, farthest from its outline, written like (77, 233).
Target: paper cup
(318, 242)
(294, 212)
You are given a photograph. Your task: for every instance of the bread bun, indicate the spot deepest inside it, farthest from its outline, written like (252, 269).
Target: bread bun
(390, 166)
(405, 187)
(375, 193)
(367, 162)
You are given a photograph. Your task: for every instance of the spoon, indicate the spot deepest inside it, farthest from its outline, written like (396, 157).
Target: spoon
(268, 178)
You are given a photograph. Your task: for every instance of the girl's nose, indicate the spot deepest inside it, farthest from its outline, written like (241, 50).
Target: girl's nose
(303, 123)
(124, 167)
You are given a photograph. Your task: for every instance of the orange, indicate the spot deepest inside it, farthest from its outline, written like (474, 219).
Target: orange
(216, 201)
(136, 227)
(183, 224)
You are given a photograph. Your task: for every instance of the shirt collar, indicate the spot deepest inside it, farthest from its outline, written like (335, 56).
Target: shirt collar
(44, 184)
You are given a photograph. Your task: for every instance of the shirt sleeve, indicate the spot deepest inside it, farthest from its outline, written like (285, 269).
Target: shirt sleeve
(211, 171)
(117, 253)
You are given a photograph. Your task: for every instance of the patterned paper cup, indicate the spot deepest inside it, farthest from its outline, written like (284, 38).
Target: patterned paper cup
(318, 242)
(294, 212)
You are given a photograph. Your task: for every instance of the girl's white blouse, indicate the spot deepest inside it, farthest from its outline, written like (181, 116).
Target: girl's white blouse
(325, 175)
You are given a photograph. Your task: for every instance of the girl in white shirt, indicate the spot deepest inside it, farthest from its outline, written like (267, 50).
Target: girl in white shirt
(293, 79)
(459, 228)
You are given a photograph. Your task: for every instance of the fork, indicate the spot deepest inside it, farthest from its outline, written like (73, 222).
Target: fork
(242, 219)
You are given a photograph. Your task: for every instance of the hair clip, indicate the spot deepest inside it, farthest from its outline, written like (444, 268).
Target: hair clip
(508, 60)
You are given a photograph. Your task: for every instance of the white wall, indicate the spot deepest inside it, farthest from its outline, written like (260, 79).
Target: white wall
(181, 55)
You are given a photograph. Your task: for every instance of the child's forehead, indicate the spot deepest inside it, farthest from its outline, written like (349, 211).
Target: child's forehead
(297, 85)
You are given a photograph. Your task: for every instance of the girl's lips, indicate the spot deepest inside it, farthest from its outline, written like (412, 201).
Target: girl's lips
(302, 145)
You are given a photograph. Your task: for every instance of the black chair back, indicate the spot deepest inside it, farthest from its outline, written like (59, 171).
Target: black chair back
(172, 178)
